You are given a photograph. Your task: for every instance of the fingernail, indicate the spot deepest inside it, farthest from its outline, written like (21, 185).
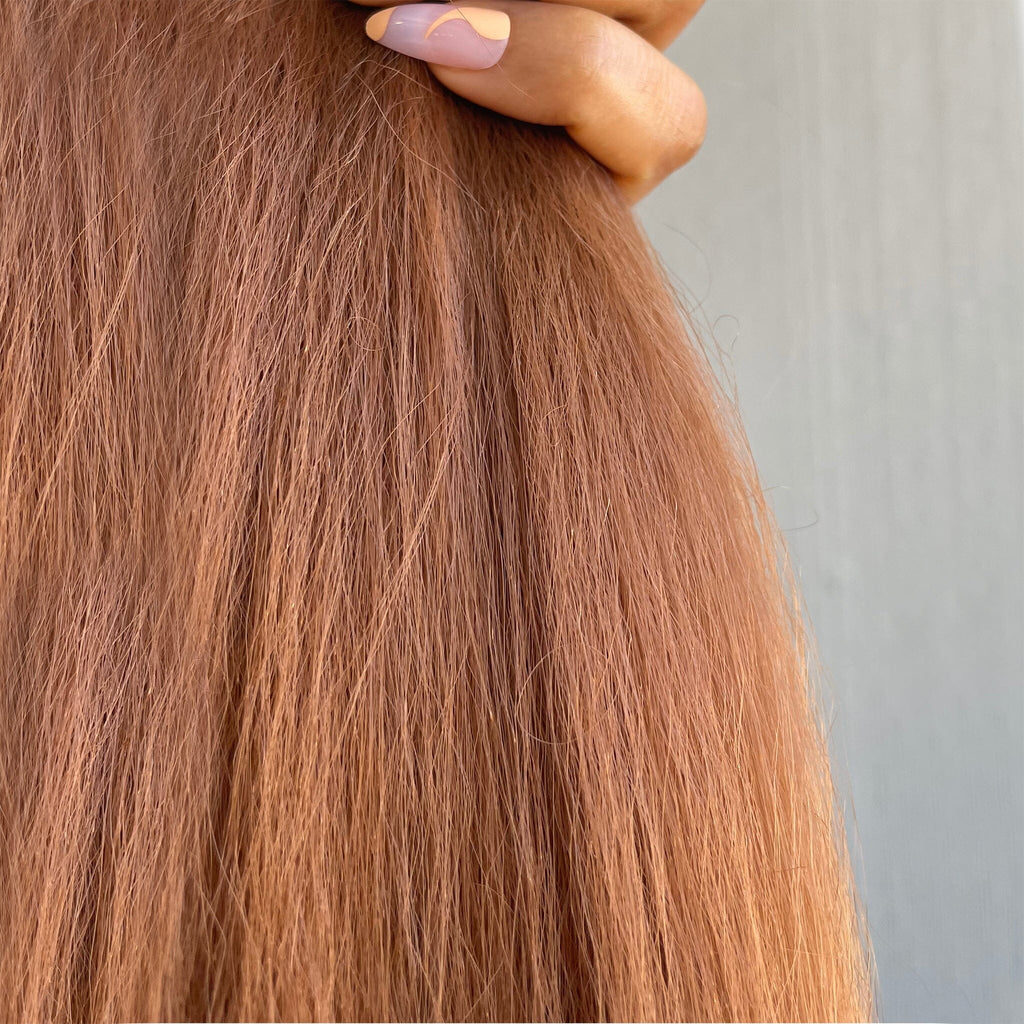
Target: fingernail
(459, 37)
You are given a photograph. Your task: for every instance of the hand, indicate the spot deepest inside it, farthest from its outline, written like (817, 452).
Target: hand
(592, 66)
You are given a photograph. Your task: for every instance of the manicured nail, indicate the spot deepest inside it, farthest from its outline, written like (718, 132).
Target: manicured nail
(459, 37)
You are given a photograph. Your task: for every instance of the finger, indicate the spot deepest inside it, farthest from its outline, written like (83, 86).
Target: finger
(658, 21)
(617, 96)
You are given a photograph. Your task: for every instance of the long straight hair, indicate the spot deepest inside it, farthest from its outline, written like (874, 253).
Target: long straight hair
(391, 624)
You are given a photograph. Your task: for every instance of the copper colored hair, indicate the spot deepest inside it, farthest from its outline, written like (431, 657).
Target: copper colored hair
(391, 624)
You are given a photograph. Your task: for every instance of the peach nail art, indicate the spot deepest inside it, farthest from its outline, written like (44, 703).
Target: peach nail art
(459, 37)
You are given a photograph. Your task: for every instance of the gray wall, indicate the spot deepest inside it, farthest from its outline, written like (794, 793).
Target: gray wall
(852, 236)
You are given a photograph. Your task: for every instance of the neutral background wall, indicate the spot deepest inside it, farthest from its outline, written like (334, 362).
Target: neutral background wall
(852, 236)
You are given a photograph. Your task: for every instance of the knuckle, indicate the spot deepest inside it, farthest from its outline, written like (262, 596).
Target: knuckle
(594, 45)
(693, 127)
(662, 20)
(655, 11)
(595, 56)
(687, 129)
(682, 134)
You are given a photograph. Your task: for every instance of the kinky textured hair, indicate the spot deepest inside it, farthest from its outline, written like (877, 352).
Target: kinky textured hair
(391, 626)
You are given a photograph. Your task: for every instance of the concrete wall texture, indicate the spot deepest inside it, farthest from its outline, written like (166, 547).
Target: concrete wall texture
(852, 239)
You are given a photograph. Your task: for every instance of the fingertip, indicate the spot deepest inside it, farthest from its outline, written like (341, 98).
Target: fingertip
(377, 24)
(471, 38)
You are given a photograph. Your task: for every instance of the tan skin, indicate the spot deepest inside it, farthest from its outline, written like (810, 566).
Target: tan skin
(596, 68)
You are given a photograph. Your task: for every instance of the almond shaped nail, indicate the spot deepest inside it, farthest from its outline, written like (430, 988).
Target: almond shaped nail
(458, 37)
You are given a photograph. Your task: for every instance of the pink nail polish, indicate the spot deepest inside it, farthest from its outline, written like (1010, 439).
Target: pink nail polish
(459, 37)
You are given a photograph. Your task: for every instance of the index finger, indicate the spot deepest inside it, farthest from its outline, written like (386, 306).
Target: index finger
(620, 99)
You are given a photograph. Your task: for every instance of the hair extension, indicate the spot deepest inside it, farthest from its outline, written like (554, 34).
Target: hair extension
(391, 624)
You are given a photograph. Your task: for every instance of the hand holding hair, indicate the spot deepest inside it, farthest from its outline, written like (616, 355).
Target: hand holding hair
(591, 66)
